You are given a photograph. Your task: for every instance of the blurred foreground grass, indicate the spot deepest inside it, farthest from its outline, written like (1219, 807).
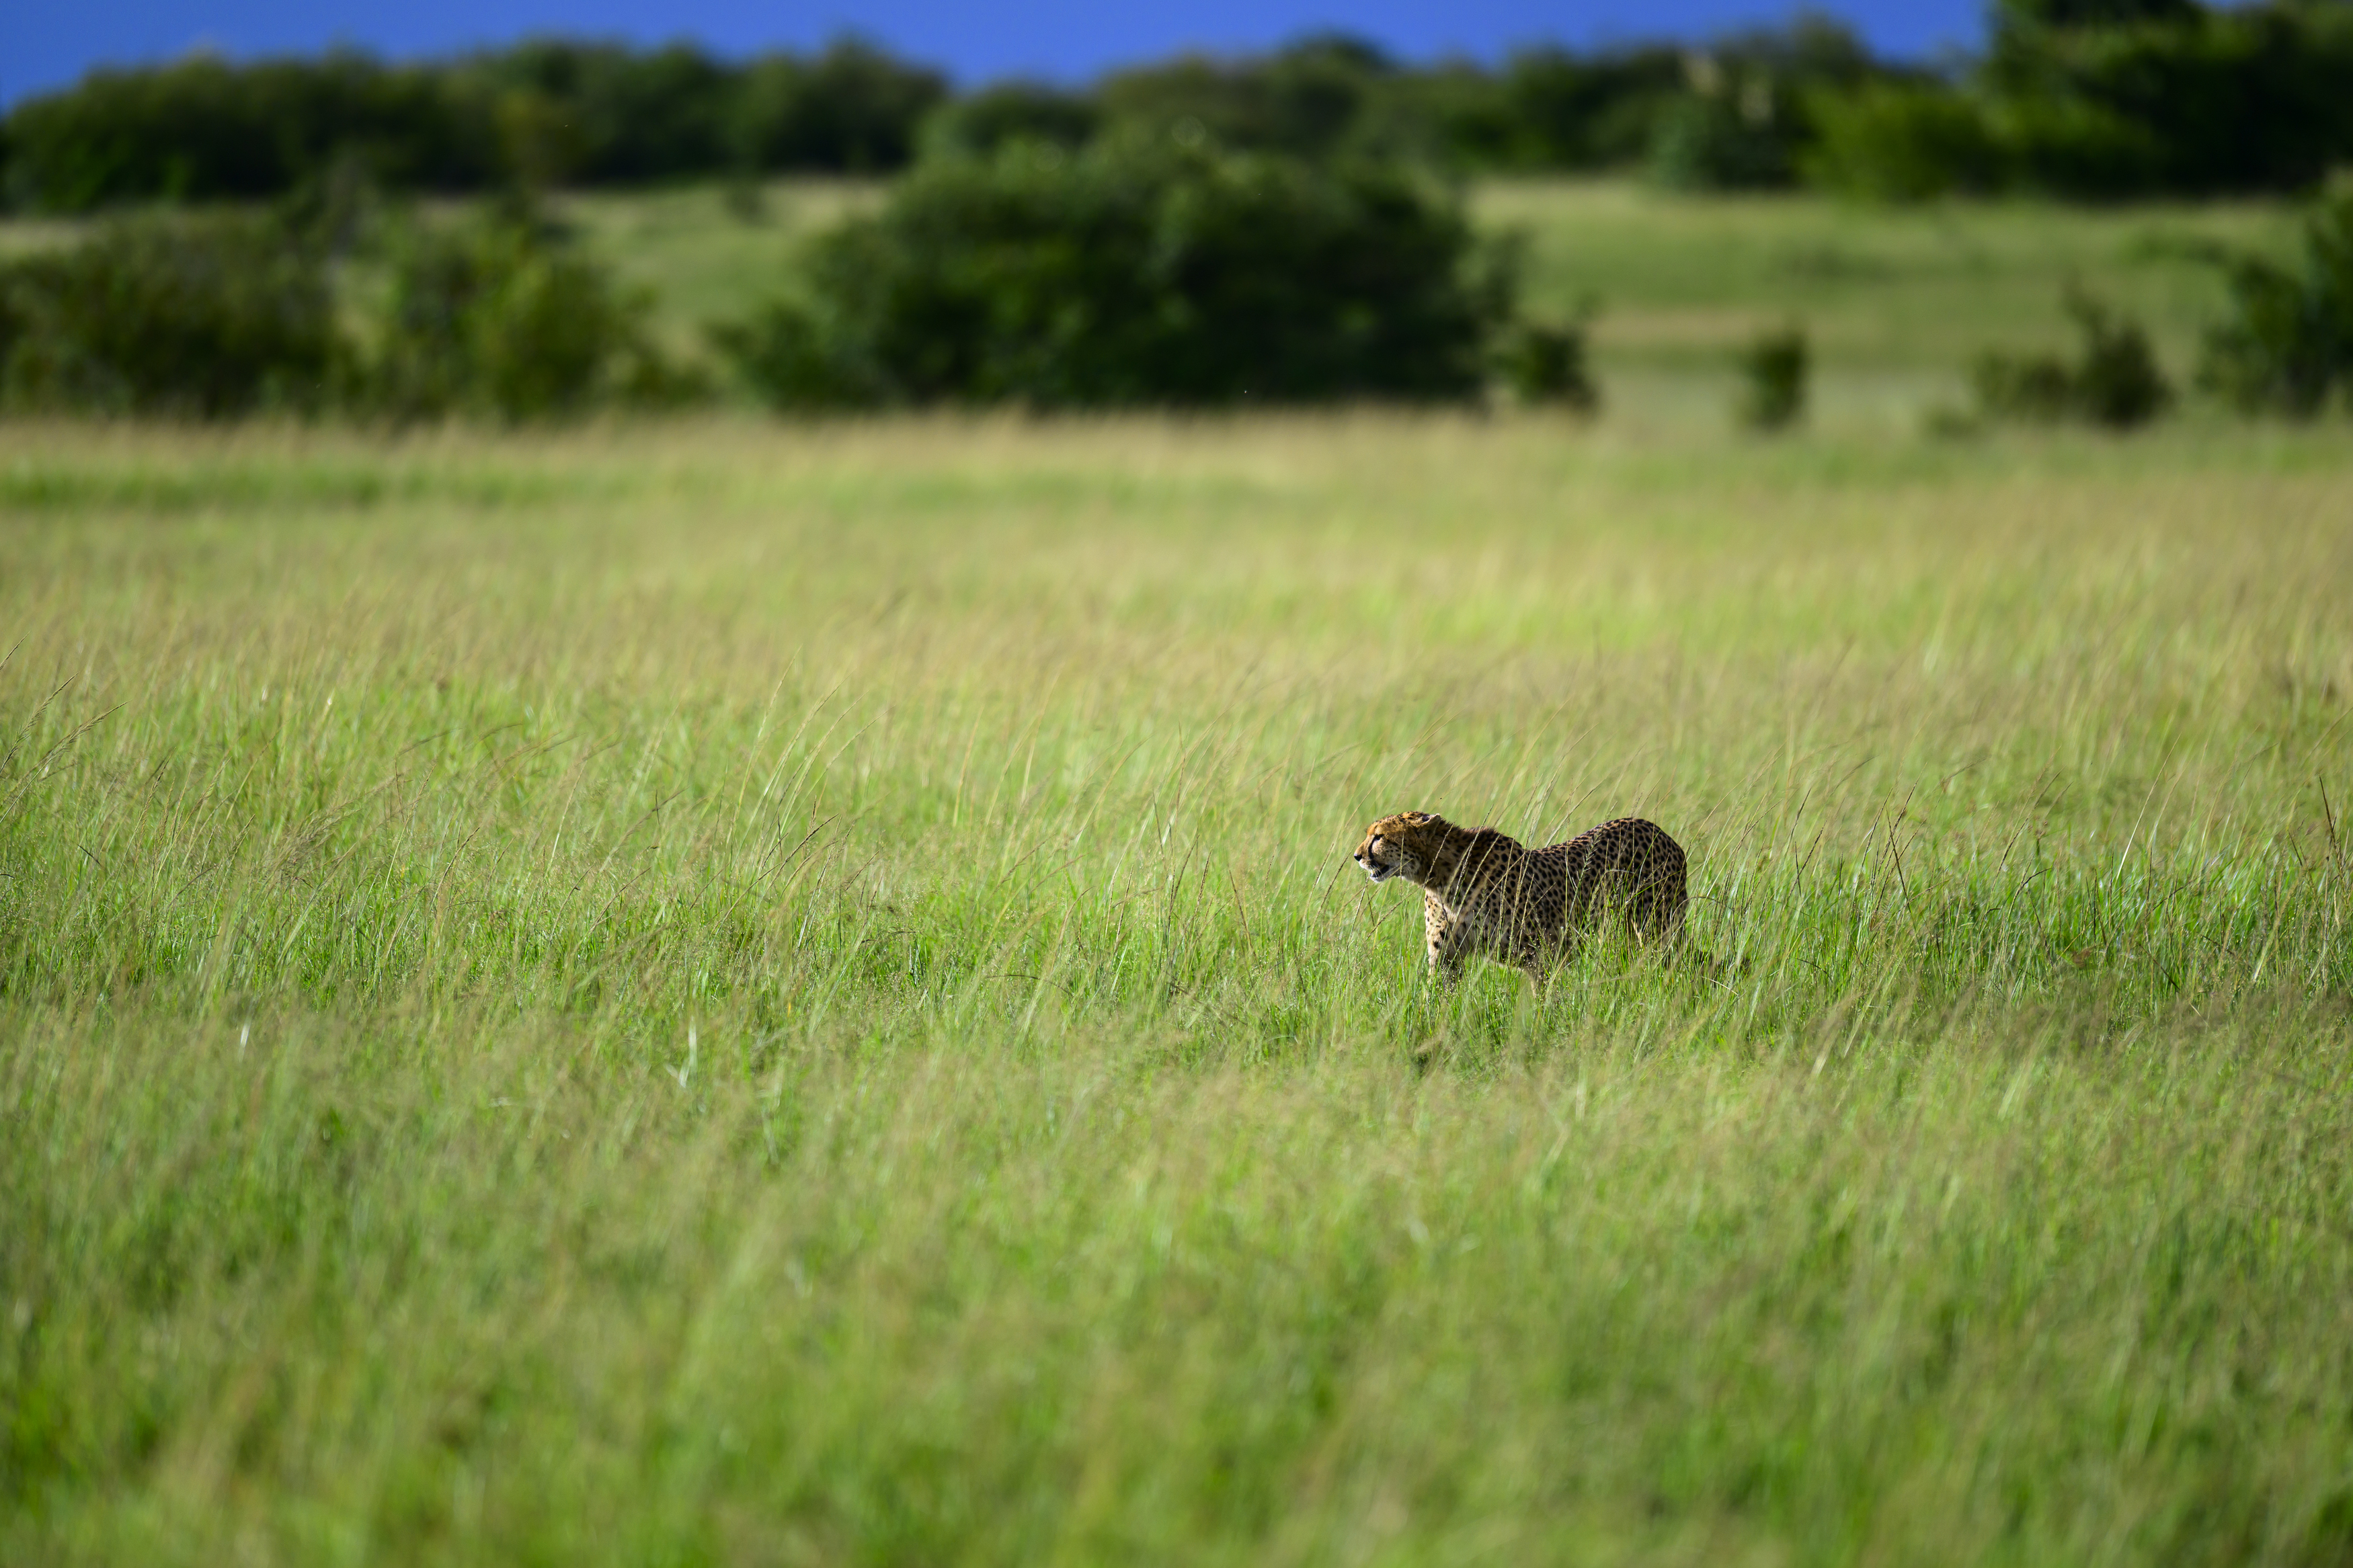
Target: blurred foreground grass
(723, 993)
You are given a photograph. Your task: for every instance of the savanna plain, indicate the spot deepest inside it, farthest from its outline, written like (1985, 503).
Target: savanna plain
(734, 992)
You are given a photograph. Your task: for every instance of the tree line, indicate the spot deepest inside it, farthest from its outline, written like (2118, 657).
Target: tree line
(2072, 97)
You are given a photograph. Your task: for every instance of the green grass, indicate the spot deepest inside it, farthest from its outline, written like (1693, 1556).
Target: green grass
(1884, 291)
(737, 993)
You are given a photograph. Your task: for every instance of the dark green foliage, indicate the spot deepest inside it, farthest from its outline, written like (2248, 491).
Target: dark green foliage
(602, 113)
(181, 317)
(1137, 272)
(1903, 141)
(790, 359)
(2112, 100)
(2035, 388)
(2114, 380)
(2213, 101)
(498, 317)
(544, 113)
(2075, 97)
(1773, 375)
(1742, 122)
(222, 315)
(1311, 99)
(201, 128)
(2118, 382)
(1711, 142)
(851, 110)
(981, 122)
(2070, 145)
(1330, 94)
(1571, 112)
(2288, 342)
(1546, 363)
(2016, 18)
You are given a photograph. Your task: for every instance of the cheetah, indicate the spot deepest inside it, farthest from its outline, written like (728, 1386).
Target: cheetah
(1484, 893)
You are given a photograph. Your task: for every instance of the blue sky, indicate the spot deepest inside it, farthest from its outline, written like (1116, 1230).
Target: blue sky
(47, 43)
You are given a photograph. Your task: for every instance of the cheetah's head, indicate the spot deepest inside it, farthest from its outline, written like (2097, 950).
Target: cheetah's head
(1404, 845)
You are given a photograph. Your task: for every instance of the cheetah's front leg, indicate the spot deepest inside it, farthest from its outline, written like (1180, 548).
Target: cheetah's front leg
(1444, 938)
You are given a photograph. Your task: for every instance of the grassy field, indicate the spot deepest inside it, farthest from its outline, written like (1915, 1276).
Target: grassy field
(730, 993)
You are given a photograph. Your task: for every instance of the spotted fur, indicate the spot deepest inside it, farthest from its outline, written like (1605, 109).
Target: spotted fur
(1485, 894)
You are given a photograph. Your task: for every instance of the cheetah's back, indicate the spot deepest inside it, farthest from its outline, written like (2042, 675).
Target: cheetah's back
(1627, 864)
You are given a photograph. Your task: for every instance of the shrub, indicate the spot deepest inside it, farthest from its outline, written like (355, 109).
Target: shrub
(203, 130)
(2073, 146)
(2114, 382)
(1546, 363)
(1589, 111)
(1310, 100)
(1707, 142)
(2180, 97)
(2288, 342)
(601, 113)
(498, 317)
(546, 110)
(1136, 272)
(1742, 122)
(1902, 141)
(185, 316)
(851, 110)
(983, 123)
(2107, 98)
(1773, 369)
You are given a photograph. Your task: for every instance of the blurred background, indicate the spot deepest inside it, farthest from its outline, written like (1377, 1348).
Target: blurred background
(1909, 217)
(1057, 39)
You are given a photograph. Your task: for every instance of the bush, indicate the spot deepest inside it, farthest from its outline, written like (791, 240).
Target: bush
(2115, 381)
(204, 129)
(182, 316)
(1773, 369)
(1592, 112)
(2288, 342)
(851, 110)
(1710, 143)
(983, 123)
(1137, 272)
(496, 317)
(1309, 100)
(1902, 141)
(1545, 362)
(544, 111)
(2073, 147)
(601, 113)
(2107, 98)
(223, 315)
(2179, 97)
(1742, 122)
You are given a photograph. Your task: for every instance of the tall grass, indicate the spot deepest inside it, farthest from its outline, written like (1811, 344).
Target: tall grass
(711, 994)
